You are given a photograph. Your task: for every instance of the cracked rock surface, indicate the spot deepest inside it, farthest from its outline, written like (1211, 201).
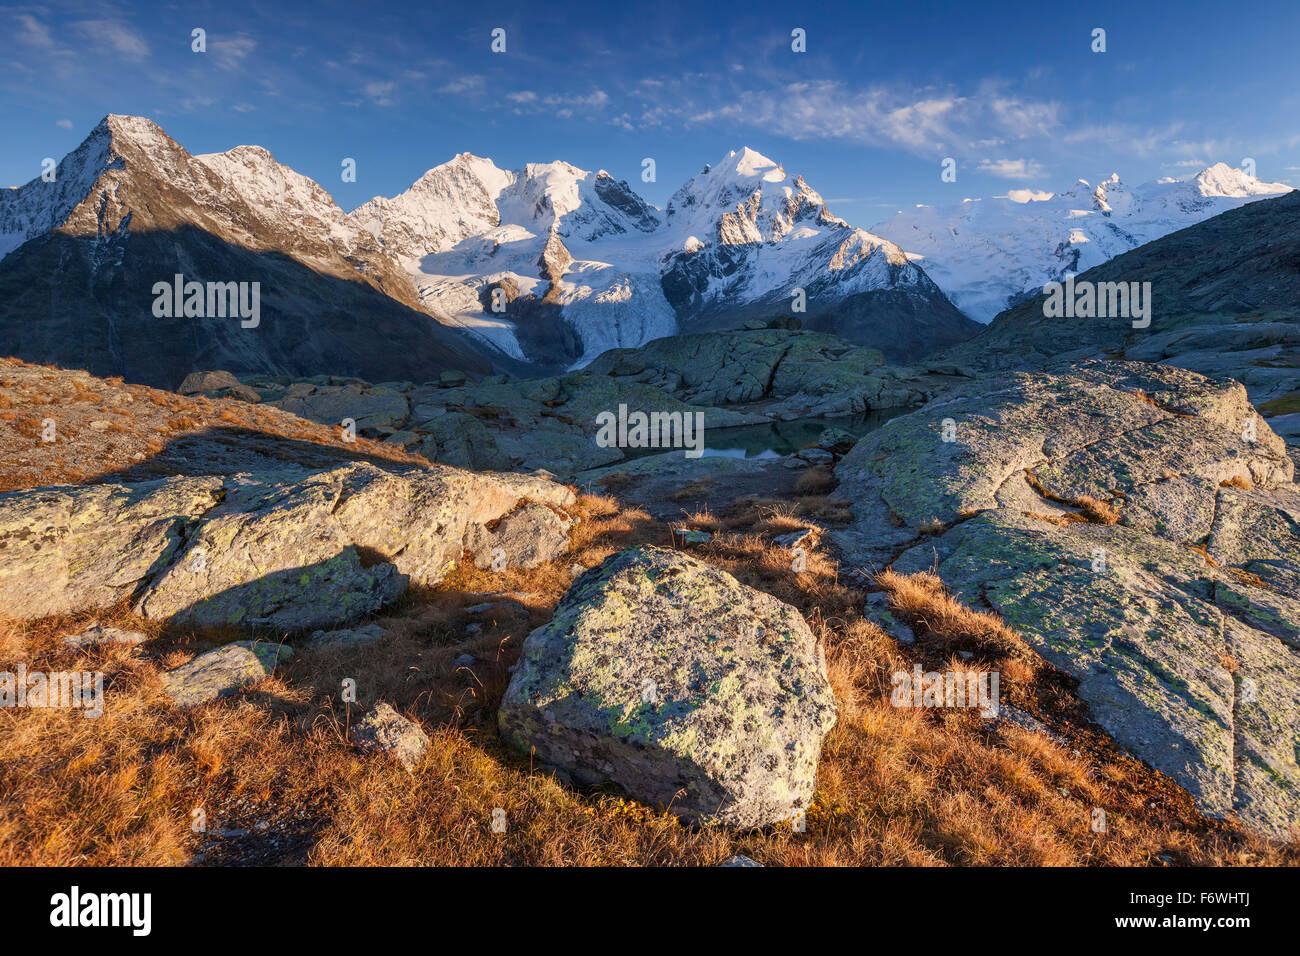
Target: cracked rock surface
(290, 549)
(1174, 605)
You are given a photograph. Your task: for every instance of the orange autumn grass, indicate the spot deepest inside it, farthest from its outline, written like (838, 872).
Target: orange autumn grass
(276, 781)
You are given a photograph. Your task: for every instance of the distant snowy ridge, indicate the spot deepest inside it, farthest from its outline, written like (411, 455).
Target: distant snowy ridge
(988, 254)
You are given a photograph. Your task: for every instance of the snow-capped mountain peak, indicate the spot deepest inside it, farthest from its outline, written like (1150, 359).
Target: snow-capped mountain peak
(744, 198)
(1224, 180)
(450, 202)
(580, 261)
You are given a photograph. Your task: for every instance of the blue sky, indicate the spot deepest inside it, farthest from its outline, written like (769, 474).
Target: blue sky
(883, 94)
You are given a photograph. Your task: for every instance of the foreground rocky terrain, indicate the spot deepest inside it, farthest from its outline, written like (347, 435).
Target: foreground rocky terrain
(754, 377)
(395, 595)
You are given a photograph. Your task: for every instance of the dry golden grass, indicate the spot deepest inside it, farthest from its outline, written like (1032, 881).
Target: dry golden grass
(1092, 509)
(150, 420)
(1095, 510)
(815, 481)
(895, 786)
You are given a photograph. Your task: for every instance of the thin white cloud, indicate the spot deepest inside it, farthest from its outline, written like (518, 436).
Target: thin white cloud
(64, 123)
(229, 52)
(464, 84)
(379, 92)
(113, 35)
(924, 121)
(33, 33)
(1011, 168)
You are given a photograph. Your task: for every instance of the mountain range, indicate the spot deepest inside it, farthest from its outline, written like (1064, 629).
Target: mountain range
(991, 254)
(536, 270)
(471, 268)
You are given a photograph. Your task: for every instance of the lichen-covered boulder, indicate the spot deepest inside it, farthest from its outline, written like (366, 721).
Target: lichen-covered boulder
(331, 547)
(691, 691)
(67, 548)
(291, 549)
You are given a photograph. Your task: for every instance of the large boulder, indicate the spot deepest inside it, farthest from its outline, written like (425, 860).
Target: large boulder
(217, 385)
(294, 550)
(688, 689)
(1081, 505)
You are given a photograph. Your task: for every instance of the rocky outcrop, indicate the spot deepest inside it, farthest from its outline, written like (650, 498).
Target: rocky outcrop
(799, 374)
(1136, 525)
(493, 424)
(292, 550)
(732, 378)
(668, 677)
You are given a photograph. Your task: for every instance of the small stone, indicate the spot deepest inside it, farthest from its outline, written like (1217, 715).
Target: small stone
(222, 671)
(805, 537)
(693, 536)
(95, 636)
(384, 730)
(739, 860)
(464, 660)
(815, 456)
(345, 637)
